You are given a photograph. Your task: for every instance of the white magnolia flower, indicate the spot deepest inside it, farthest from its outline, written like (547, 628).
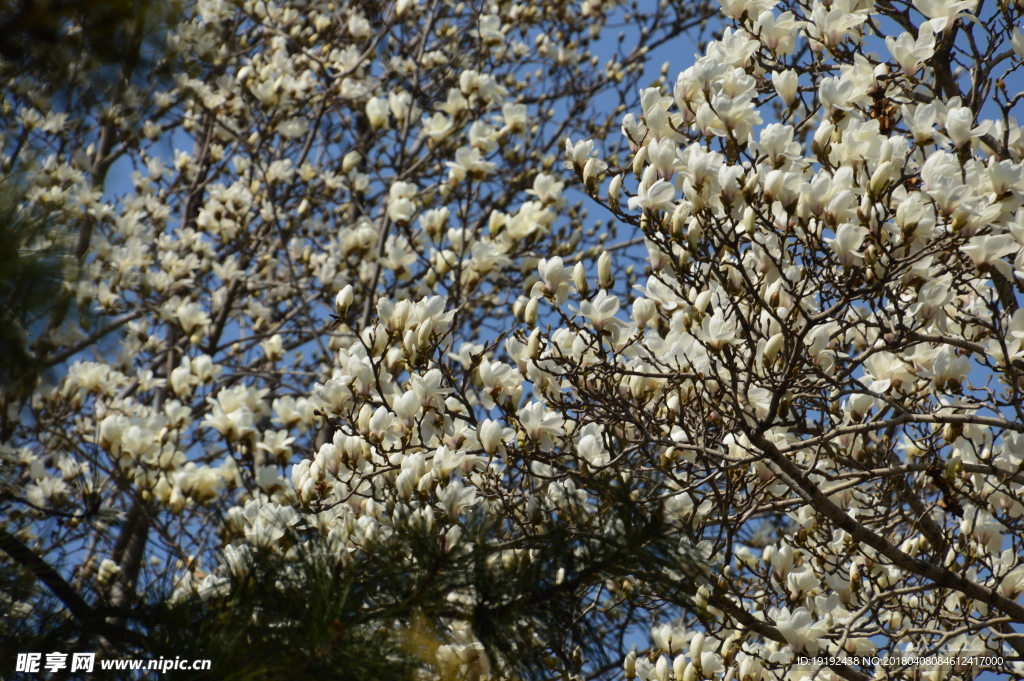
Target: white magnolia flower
(800, 629)
(492, 436)
(554, 280)
(192, 317)
(469, 163)
(378, 112)
(911, 54)
(659, 195)
(943, 13)
(601, 310)
(577, 154)
(989, 249)
(718, 330)
(591, 446)
(437, 126)
(293, 127)
(847, 243)
(541, 425)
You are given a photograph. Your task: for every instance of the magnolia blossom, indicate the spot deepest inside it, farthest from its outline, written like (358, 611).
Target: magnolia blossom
(653, 194)
(469, 163)
(942, 13)
(591, 446)
(800, 629)
(401, 207)
(786, 83)
(847, 242)
(378, 112)
(554, 280)
(911, 54)
(309, 324)
(601, 310)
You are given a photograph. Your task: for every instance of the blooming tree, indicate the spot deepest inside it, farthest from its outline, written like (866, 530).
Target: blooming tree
(771, 413)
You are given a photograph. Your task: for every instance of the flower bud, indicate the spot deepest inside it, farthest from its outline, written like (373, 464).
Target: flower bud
(592, 172)
(614, 189)
(880, 178)
(750, 668)
(773, 185)
(679, 667)
(661, 669)
(533, 345)
(469, 80)
(351, 161)
(177, 500)
(644, 310)
(785, 83)
(700, 303)
(694, 234)
(530, 314)
(749, 220)
(343, 299)
(363, 420)
(679, 216)
(751, 185)
(696, 646)
(822, 138)
(489, 434)
(700, 599)
(629, 665)
(639, 160)
(579, 278)
(958, 125)
(773, 346)
(604, 271)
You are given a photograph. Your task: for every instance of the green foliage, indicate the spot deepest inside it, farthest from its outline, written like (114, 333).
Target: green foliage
(110, 32)
(315, 613)
(34, 263)
(294, 620)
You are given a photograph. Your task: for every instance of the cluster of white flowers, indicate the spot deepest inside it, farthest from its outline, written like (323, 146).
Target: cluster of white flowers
(399, 159)
(814, 390)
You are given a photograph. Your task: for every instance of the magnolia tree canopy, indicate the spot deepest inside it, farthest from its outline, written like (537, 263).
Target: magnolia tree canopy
(757, 399)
